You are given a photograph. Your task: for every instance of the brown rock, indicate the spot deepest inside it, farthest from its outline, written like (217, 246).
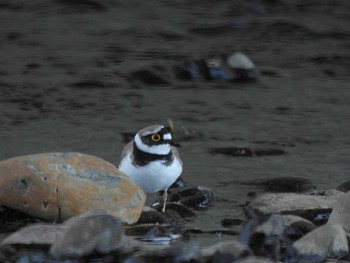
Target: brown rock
(61, 185)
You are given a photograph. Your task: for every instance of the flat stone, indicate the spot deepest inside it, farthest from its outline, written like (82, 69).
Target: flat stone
(289, 202)
(57, 186)
(39, 234)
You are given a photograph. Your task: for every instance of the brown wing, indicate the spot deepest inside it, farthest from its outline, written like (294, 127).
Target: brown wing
(127, 148)
(176, 153)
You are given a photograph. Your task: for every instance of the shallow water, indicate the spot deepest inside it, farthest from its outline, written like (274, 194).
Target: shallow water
(66, 86)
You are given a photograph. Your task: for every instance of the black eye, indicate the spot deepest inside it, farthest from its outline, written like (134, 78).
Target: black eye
(155, 137)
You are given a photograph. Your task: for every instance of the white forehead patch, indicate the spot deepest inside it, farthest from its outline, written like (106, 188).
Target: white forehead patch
(167, 136)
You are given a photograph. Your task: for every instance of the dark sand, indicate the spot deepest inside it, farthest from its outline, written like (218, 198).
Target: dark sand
(66, 85)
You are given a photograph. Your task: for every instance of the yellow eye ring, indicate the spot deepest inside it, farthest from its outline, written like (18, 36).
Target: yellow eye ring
(155, 137)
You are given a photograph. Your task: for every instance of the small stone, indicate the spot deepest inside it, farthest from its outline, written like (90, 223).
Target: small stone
(196, 197)
(152, 216)
(243, 68)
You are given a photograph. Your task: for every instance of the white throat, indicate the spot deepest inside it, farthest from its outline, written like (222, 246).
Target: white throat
(161, 149)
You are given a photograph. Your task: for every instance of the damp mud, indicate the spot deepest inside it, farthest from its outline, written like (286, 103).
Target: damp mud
(75, 76)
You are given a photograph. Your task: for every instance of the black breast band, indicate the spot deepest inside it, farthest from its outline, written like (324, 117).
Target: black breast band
(142, 158)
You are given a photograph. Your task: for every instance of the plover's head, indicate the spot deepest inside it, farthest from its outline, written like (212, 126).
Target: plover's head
(155, 139)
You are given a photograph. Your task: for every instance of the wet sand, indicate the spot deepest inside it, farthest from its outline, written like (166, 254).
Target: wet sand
(67, 85)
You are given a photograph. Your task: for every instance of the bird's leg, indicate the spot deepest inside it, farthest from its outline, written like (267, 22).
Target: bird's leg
(165, 198)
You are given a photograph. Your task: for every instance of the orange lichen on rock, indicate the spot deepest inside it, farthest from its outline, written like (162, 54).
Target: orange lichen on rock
(61, 185)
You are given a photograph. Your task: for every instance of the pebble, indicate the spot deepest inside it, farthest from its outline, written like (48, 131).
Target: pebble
(198, 198)
(57, 186)
(152, 216)
(242, 67)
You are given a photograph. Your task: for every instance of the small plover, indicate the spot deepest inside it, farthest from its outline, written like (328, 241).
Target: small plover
(151, 160)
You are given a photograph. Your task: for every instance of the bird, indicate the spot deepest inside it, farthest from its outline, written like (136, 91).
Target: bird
(152, 160)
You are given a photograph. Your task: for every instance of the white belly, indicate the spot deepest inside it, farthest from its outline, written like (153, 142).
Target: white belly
(152, 177)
